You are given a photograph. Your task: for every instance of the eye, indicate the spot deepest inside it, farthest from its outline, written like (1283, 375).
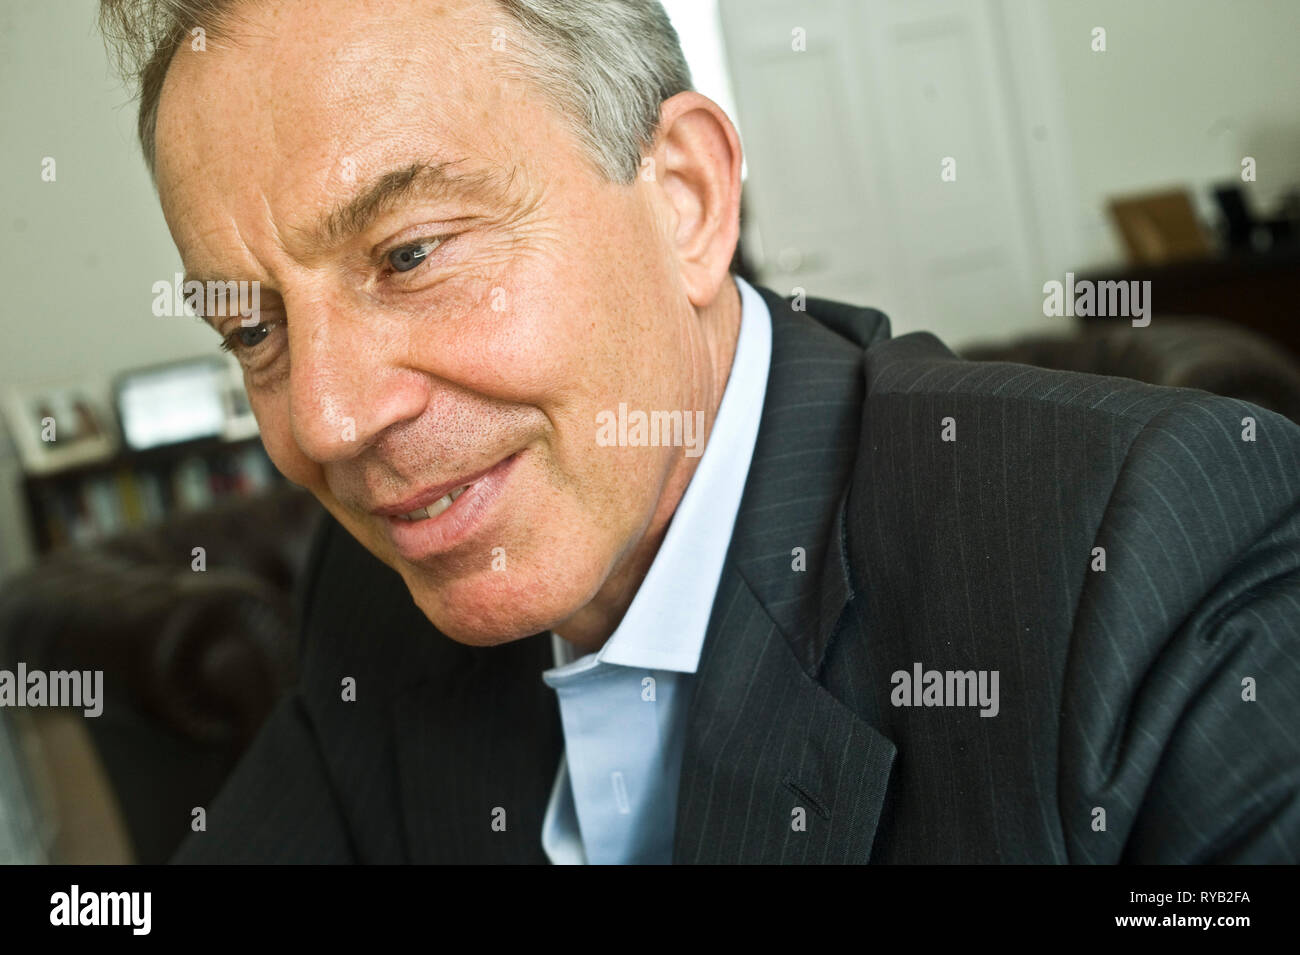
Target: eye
(407, 257)
(246, 337)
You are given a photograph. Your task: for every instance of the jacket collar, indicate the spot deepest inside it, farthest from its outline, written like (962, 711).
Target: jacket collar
(768, 749)
(800, 472)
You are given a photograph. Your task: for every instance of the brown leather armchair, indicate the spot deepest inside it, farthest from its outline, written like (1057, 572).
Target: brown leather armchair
(1182, 352)
(193, 662)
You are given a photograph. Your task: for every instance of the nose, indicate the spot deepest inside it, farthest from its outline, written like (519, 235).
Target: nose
(347, 381)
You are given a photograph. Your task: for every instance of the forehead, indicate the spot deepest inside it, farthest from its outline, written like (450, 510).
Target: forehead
(293, 101)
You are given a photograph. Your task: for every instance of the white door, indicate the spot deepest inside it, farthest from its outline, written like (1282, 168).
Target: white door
(852, 110)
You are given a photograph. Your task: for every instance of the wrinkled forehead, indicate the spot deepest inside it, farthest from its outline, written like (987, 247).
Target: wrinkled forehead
(290, 98)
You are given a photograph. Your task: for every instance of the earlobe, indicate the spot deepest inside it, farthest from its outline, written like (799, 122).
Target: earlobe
(698, 151)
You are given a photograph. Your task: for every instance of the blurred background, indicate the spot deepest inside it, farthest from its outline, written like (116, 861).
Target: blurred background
(943, 160)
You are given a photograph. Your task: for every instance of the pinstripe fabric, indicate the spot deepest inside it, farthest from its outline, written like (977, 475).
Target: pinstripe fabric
(1120, 690)
(767, 748)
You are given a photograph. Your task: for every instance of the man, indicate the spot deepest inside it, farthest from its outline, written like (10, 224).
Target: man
(902, 608)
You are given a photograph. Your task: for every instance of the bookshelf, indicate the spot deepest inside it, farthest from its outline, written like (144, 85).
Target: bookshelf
(103, 455)
(89, 502)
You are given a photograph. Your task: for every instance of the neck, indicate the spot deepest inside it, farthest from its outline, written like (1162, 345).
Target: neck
(592, 626)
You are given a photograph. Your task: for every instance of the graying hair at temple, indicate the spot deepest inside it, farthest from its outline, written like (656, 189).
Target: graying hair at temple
(606, 64)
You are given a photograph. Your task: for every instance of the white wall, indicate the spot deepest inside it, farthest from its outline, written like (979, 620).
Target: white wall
(1185, 89)
(78, 256)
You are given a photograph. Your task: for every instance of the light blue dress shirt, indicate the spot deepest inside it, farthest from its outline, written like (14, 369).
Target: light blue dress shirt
(623, 708)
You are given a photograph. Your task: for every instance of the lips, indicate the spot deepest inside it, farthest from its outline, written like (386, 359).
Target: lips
(436, 508)
(432, 501)
(441, 518)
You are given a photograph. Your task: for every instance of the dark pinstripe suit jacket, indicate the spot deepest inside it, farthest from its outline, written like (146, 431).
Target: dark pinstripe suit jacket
(1121, 690)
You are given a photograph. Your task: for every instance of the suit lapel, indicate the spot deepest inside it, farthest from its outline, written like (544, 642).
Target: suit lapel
(775, 768)
(440, 733)
(477, 749)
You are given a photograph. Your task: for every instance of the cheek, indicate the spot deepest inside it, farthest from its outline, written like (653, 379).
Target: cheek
(570, 328)
(272, 413)
(530, 337)
(576, 335)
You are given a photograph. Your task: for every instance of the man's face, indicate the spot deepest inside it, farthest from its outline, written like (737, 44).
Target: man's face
(464, 330)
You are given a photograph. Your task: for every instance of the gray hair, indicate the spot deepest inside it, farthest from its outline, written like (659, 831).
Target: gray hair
(607, 65)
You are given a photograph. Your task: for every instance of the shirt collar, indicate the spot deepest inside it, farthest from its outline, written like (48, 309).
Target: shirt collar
(665, 625)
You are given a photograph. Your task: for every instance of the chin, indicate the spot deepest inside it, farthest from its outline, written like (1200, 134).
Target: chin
(492, 608)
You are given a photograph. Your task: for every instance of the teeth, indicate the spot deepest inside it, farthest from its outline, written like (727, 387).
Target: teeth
(437, 507)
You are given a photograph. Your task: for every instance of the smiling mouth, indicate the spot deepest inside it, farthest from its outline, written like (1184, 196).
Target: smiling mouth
(450, 520)
(432, 508)
(437, 507)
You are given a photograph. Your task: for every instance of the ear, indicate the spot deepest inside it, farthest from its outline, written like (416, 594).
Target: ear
(696, 167)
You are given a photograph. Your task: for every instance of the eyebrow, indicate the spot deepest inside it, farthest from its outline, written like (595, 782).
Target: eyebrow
(380, 194)
(383, 192)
